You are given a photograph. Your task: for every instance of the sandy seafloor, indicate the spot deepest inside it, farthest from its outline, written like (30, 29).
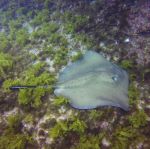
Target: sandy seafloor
(38, 39)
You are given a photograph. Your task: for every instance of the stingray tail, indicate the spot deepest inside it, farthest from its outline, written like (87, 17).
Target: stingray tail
(14, 88)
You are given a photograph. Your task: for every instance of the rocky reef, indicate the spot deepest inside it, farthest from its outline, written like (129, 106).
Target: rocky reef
(38, 39)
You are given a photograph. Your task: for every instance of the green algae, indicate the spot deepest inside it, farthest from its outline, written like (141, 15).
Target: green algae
(57, 39)
(9, 82)
(14, 122)
(74, 23)
(138, 119)
(126, 137)
(15, 141)
(77, 56)
(127, 64)
(5, 43)
(130, 134)
(33, 96)
(40, 17)
(45, 31)
(60, 57)
(85, 40)
(95, 114)
(22, 37)
(32, 76)
(134, 94)
(59, 130)
(89, 142)
(15, 24)
(6, 62)
(60, 101)
(29, 119)
(62, 128)
(122, 138)
(78, 126)
(12, 137)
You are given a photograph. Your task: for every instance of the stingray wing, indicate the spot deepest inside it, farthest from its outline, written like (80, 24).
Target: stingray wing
(90, 61)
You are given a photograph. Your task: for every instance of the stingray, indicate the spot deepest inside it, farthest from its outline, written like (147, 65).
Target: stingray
(92, 82)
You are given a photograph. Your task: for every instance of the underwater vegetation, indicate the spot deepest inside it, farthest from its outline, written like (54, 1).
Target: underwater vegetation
(40, 40)
(87, 142)
(12, 141)
(5, 63)
(138, 119)
(32, 76)
(5, 44)
(62, 128)
(11, 137)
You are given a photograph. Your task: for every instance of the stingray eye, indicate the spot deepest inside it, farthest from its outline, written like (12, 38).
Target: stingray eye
(115, 78)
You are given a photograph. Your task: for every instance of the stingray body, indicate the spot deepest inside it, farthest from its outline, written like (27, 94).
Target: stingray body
(92, 82)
